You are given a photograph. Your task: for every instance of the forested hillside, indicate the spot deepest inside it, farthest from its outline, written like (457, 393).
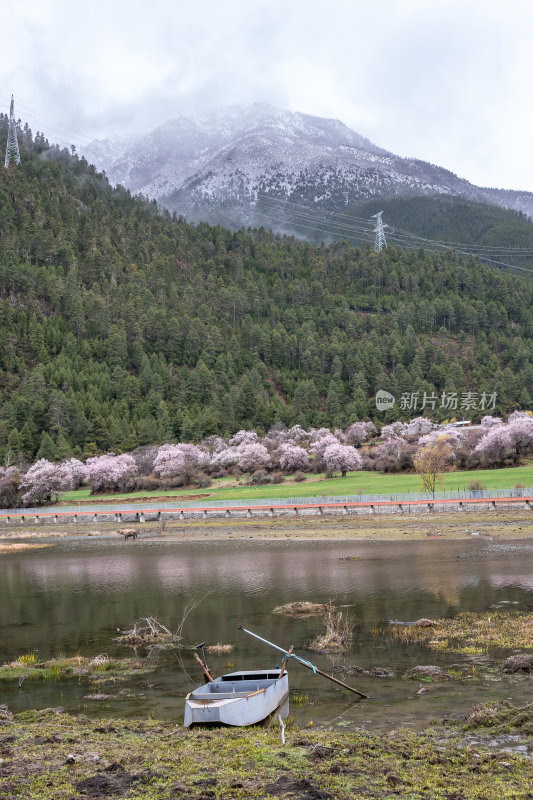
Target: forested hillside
(121, 326)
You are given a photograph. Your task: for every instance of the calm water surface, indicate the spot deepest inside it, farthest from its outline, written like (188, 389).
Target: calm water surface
(72, 598)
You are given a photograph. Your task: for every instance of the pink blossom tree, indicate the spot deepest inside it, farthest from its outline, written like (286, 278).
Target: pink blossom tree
(110, 472)
(359, 432)
(243, 437)
(519, 415)
(453, 436)
(296, 434)
(293, 458)
(248, 456)
(224, 458)
(76, 469)
(394, 429)
(494, 445)
(319, 445)
(392, 446)
(318, 433)
(490, 422)
(45, 482)
(179, 459)
(418, 427)
(213, 444)
(252, 456)
(342, 457)
(520, 436)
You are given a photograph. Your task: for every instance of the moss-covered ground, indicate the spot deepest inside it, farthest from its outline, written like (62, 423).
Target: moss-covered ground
(29, 668)
(53, 756)
(471, 632)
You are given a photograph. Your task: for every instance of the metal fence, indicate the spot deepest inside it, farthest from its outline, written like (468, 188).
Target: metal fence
(125, 508)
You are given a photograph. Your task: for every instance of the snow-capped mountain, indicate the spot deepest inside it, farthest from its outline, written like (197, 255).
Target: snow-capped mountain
(219, 168)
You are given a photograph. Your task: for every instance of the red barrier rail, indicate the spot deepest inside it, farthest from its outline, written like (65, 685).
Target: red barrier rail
(270, 507)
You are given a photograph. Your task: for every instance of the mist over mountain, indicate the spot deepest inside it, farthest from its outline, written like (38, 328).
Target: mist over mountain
(218, 168)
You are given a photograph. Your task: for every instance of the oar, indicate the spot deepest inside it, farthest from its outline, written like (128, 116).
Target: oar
(305, 663)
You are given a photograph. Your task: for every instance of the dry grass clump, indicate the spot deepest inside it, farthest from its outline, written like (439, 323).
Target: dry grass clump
(471, 633)
(502, 717)
(338, 636)
(219, 649)
(17, 547)
(302, 608)
(148, 631)
(521, 662)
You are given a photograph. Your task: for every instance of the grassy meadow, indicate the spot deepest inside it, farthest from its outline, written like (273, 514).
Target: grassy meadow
(355, 483)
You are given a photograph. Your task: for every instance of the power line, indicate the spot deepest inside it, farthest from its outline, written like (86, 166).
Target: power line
(448, 245)
(38, 121)
(402, 239)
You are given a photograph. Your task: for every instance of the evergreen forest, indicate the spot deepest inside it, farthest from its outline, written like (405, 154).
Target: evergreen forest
(121, 325)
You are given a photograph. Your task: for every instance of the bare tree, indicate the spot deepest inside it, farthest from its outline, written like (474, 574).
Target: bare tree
(432, 459)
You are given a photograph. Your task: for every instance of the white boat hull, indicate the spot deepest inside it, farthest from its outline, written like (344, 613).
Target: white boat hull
(241, 698)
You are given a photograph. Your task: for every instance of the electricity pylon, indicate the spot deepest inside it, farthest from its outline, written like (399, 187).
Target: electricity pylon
(12, 149)
(379, 230)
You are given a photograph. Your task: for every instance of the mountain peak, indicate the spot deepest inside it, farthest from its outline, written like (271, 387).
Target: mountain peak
(215, 166)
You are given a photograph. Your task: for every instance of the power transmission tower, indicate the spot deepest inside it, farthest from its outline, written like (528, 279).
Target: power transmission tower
(379, 230)
(12, 149)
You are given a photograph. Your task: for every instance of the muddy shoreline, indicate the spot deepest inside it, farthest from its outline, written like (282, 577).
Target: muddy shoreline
(505, 524)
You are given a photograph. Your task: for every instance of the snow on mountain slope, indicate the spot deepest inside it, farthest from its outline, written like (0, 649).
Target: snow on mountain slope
(217, 167)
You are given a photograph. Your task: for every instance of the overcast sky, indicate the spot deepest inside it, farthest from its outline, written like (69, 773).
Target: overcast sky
(447, 81)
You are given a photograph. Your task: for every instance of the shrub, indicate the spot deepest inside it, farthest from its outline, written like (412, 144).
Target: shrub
(177, 481)
(260, 477)
(9, 488)
(202, 480)
(147, 483)
(277, 477)
(220, 473)
(476, 486)
(299, 477)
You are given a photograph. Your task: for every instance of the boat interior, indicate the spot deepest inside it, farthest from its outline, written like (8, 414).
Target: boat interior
(236, 684)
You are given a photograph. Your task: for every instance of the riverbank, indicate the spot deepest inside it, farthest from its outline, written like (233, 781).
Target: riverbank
(498, 524)
(54, 756)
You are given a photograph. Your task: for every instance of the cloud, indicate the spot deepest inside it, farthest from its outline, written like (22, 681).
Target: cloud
(442, 80)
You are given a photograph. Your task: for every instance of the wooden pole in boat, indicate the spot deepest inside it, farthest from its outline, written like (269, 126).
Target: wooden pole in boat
(204, 668)
(305, 663)
(285, 659)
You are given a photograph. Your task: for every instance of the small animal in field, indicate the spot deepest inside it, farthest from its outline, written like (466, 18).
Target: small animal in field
(128, 533)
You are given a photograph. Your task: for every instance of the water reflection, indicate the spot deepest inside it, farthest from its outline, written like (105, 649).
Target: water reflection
(75, 595)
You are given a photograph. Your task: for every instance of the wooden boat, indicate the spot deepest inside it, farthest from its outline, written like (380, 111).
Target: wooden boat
(239, 698)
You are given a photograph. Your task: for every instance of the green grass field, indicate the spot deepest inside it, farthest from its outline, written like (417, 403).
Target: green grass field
(354, 483)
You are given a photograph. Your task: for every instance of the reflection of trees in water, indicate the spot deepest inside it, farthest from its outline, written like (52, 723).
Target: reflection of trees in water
(74, 600)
